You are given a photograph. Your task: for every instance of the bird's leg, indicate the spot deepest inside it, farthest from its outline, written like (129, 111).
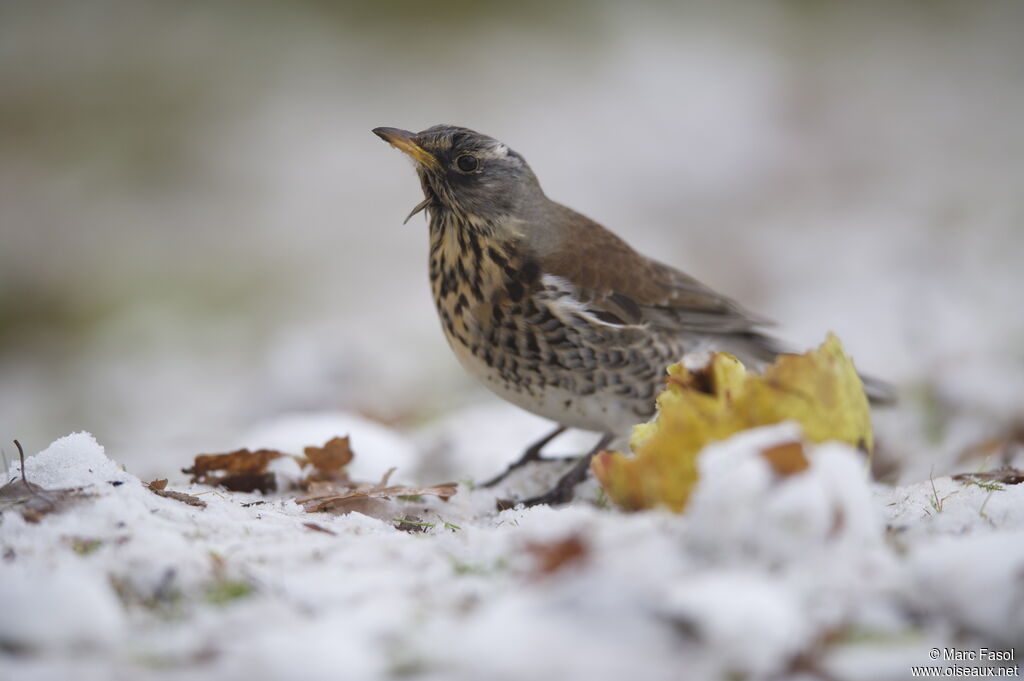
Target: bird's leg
(563, 490)
(532, 453)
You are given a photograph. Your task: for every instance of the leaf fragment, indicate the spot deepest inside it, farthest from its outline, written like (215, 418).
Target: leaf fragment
(555, 556)
(242, 470)
(157, 487)
(34, 501)
(326, 484)
(329, 461)
(332, 457)
(1000, 476)
(344, 498)
(787, 458)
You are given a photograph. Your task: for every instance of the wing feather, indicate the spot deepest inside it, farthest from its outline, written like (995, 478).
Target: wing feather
(615, 280)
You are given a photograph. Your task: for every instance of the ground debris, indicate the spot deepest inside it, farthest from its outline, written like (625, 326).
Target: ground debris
(555, 556)
(1000, 476)
(787, 458)
(242, 470)
(34, 501)
(325, 482)
(330, 460)
(158, 487)
(345, 497)
(412, 524)
(245, 470)
(316, 527)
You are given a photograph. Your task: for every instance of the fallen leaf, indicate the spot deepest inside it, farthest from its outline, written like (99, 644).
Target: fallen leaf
(553, 556)
(240, 471)
(345, 496)
(157, 488)
(1001, 476)
(786, 458)
(327, 486)
(34, 501)
(332, 457)
(820, 390)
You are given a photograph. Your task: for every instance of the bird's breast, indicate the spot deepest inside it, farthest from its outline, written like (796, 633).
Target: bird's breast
(472, 278)
(524, 334)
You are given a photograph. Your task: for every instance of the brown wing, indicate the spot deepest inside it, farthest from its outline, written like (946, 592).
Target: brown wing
(622, 286)
(618, 282)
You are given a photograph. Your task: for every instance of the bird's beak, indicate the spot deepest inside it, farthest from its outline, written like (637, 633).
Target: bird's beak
(403, 141)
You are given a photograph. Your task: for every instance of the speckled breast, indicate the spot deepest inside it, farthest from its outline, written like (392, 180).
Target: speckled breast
(527, 338)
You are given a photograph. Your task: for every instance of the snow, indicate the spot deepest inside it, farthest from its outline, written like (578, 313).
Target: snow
(763, 577)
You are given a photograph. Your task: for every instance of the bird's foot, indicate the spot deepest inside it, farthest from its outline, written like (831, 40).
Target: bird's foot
(532, 453)
(565, 488)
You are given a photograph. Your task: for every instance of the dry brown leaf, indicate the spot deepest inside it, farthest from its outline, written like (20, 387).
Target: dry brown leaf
(338, 499)
(332, 457)
(242, 470)
(1001, 476)
(327, 485)
(554, 556)
(786, 458)
(34, 501)
(240, 461)
(344, 497)
(157, 487)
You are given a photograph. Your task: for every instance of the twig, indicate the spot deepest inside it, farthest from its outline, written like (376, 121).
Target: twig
(21, 455)
(34, 489)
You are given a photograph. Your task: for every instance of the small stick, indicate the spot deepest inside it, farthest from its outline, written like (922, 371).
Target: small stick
(34, 489)
(21, 454)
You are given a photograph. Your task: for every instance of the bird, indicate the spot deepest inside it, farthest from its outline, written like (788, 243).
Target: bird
(552, 311)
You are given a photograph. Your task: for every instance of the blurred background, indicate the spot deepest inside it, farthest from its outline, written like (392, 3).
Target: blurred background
(199, 233)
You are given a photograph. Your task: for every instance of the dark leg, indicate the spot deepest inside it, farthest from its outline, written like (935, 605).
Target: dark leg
(564, 489)
(532, 453)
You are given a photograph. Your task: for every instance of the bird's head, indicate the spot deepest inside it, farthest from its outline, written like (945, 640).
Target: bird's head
(476, 178)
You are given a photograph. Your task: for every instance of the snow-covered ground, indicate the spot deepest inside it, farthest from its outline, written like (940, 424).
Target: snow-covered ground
(818, 575)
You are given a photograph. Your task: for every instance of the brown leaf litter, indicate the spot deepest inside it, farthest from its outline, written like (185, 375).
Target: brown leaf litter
(326, 483)
(242, 470)
(34, 501)
(158, 487)
(787, 458)
(354, 496)
(554, 556)
(1000, 476)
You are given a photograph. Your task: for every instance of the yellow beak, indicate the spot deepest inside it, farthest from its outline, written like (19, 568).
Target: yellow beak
(403, 141)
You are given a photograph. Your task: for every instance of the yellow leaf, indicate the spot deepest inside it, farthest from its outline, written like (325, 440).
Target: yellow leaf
(820, 390)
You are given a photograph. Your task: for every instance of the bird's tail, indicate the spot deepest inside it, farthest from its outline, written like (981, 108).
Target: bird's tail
(880, 393)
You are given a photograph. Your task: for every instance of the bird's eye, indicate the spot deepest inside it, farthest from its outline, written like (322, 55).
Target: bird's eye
(467, 163)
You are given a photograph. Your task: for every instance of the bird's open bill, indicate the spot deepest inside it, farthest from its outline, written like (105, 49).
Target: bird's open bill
(403, 141)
